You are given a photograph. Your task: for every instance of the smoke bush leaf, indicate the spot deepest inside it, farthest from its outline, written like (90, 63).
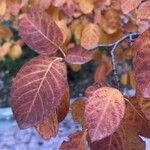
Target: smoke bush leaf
(78, 55)
(143, 11)
(48, 127)
(129, 5)
(77, 110)
(63, 108)
(40, 32)
(77, 141)
(38, 90)
(90, 36)
(141, 62)
(104, 112)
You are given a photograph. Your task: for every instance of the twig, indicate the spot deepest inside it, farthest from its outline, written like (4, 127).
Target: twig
(130, 37)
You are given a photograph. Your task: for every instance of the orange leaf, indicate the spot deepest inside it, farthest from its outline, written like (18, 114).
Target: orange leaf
(77, 141)
(90, 36)
(86, 6)
(40, 32)
(126, 136)
(104, 112)
(3, 8)
(15, 52)
(38, 90)
(77, 110)
(64, 106)
(5, 32)
(48, 127)
(110, 21)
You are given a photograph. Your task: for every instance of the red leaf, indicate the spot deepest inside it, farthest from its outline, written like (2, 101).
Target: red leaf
(129, 5)
(77, 141)
(38, 90)
(143, 11)
(48, 127)
(78, 55)
(103, 112)
(91, 89)
(40, 32)
(141, 62)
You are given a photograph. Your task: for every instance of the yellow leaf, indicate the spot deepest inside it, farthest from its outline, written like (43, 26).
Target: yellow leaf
(4, 49)
(90, 36)
(3, 7)
(15, 52)
(65, 30)
(110, 21)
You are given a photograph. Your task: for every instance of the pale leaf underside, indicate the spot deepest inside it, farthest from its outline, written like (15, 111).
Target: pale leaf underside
(40, 32)
(38, 90)
(103, 112)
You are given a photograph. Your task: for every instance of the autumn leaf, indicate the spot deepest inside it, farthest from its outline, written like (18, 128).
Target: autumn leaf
(129, 5)
(63, 108)
(144, 104)
(104, 112)
(86, 6)
(4, 49)
(3, 8)
(143, 11)
(5, 32)
(62, 24)
(90, 36)
(78, 55)
(48, 127)
(95, 86)
(38, 90)
(77, 110)
(127, 135)
(44, 4)
(15, 52)
(141, 63)
(77, 141)
(40, 32)
(110, 22)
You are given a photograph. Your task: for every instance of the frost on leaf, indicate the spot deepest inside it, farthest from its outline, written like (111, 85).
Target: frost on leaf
(38, 90)
(40, 32)
(77, 141)
(141, 63)
(104, 112)
(129, 5)
(78, 55)
(48, 127)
